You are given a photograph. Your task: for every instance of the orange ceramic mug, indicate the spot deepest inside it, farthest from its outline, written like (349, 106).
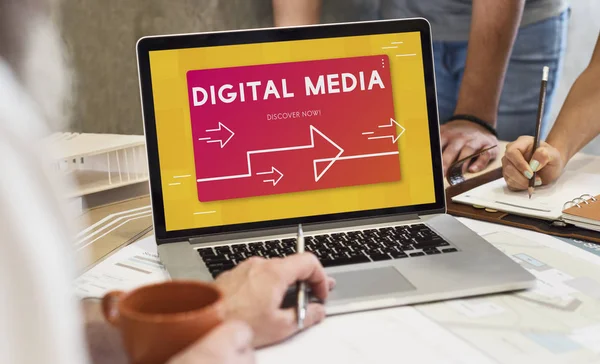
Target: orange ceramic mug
(158, 321)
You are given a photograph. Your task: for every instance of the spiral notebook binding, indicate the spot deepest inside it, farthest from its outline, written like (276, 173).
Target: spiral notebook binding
(584, 199)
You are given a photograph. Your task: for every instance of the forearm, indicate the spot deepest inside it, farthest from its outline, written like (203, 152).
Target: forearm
(494, 26)
(296, 12)
(579, 119)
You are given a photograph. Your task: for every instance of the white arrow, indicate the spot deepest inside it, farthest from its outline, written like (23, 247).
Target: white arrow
(272, 171)
(394, 137)
(220, 141)
(313, 131)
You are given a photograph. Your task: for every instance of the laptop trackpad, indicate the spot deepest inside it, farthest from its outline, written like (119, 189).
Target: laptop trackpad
(369, 282)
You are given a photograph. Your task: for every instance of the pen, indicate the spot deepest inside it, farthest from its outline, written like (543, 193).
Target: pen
(300, 286)
(538, 123)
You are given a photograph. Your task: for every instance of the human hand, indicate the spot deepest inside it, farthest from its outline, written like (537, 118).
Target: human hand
(228, 343)
(546, 161)
(255, 289)
(461, 139)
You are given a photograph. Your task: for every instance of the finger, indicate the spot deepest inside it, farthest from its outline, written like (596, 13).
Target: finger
(517, 155)
(540, 159)
(450, 153)
(305, 267)
(464, 153)
(514, 178)
(482, 161)
(524, 144)
(288, 321)
(331, 283)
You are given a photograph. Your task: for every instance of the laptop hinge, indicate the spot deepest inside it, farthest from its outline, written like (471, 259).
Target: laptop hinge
(340, 224)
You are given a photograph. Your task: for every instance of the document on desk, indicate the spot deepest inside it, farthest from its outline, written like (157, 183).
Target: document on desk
(132, 266)
(547, 202)
(556, 322)
(396, 335)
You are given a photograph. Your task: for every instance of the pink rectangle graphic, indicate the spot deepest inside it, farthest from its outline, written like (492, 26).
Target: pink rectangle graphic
(292, 127)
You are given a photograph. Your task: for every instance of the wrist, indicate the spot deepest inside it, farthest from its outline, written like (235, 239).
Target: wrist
(563, 150)
(476, 121)
(476, 110)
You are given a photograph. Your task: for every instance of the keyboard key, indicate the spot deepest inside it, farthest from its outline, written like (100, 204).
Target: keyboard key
(216, 259)
(427, 245)
(432, 252)
(398, 254)
(221, 266)
(417, 254)
(450, 250)
(239, 248)
(272, 244)
(205, 252)
(344, 261)
(379, 256)
(223, 249)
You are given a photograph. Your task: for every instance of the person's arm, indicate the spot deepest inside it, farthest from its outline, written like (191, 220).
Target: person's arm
(228, 343)
(577, 124)
(254, 292)
(494, 27)
(579, 119)
(296, 12)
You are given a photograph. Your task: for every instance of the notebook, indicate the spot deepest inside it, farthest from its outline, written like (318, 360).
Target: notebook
(583, 212)
(547, 202)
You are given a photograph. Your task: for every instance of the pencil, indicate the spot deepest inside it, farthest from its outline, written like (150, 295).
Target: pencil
(538, 124)
(300, 286)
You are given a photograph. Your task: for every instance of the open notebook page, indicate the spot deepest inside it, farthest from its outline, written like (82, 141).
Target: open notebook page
(546, 203)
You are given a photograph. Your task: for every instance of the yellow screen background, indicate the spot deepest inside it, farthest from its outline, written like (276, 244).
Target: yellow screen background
(182, 208)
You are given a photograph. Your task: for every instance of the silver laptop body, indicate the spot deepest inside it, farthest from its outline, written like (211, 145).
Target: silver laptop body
(465, 265)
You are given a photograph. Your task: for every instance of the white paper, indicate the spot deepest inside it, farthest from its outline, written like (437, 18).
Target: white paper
(127, 269)
(547, 202)
(476, 308)
(397, 335)
(588, 337)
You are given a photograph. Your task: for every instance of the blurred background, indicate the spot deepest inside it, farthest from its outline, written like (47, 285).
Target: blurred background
(101, 37)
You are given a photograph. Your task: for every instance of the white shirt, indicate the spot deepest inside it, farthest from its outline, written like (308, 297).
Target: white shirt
(40, 319)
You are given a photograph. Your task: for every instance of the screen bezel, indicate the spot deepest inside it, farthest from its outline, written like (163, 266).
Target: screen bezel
(196, 40)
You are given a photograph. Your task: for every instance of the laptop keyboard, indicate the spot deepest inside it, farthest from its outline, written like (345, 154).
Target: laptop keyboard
(363, 246)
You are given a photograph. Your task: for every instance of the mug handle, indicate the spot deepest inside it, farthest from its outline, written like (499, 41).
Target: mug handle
(110, 306)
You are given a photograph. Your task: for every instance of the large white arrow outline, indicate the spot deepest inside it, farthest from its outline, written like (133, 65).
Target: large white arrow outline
(318, 176)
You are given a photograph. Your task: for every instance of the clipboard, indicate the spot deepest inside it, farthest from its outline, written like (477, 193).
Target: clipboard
(498, 217)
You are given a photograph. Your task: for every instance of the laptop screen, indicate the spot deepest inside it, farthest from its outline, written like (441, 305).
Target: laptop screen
(278, 130)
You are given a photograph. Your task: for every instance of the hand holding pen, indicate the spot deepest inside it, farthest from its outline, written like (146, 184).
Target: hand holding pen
(301, 300)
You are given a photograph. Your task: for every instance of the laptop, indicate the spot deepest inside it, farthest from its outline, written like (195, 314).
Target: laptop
(251, 133)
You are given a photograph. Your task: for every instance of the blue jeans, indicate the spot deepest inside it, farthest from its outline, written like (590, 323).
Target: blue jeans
(537, 45)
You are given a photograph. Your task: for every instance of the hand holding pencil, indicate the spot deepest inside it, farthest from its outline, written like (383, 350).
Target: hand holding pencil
(530, 162)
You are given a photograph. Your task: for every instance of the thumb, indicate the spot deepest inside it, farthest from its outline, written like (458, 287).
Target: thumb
(540, 158)
(236, 335)
(315, 313)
